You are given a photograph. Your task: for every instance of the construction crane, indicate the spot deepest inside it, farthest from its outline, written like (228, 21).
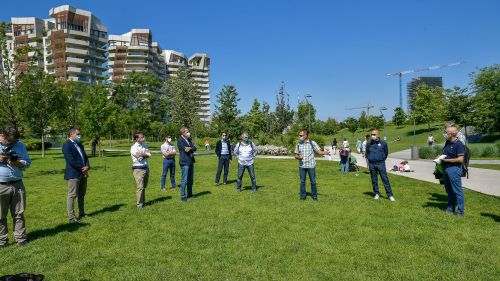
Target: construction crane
(401, 73)
(363, 107)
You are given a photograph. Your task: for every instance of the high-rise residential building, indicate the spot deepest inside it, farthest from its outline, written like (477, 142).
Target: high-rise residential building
(412, 86)
(199, 64)
(134, 51)
(75, 49)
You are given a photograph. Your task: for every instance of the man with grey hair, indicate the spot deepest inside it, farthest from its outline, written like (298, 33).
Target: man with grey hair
(246, 152)
(460, 136)
(454, 150)
(186, 161)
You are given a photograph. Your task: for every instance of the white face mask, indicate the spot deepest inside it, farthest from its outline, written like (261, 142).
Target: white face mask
(169, 139)
(445, 136)
(188, 135)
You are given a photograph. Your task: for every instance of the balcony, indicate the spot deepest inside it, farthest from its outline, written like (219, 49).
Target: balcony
(75, 60)
(76, 42)
(76, 51)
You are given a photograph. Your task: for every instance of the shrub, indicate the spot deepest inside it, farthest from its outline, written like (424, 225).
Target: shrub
(272, 150)
(430, 152)
(34, 144)
(488, 151)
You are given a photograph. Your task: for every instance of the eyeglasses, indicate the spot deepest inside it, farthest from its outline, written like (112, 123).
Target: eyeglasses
(301, 135)
(223, 135)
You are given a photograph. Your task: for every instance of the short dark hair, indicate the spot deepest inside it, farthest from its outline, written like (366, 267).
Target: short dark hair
(11, 132)
(136, 135)
(73, 129)
(367, 136)
(305, 131)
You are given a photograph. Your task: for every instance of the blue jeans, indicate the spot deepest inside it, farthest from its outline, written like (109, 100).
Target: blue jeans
(168, 164)
(223, 163)
(380, 168)
(312, 179)
(251, 172)
(453, 186)
(344, 165)
(187, 179)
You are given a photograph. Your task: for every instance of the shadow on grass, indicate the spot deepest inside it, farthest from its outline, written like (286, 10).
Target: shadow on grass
(158, 200)
(113, 208)
(422, 130)
(439, 201)
(369, 193)
(202, 193)
(496, 218)
(249, 187)
(61, 171)
(231, 181)
(65, 227)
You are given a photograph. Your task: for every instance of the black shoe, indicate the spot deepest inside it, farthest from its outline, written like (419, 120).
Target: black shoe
(457, 214)
(315, 198)
(191, 196)
(74, 220)
(23, 244)
(224, 183)
(216, 184)
(84, 216)
(184, 199)
(302, 198)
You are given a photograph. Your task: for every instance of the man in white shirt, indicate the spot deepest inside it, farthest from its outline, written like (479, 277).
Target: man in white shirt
(168, 152)
(140, 154)
(246, 152)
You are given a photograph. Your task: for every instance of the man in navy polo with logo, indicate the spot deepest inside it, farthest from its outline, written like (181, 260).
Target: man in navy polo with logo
(454, 150)
(376, 154)
(77, 170)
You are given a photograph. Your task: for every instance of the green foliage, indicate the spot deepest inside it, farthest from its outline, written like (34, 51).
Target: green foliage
(282, 117)
(304, 111)
(486, 102)
(97, 112)
(429, 105)
(331, 126)
(226, 111)
(399, 116)
(35, 144)
(376, 122)
(255, 120)
(430, 152)
(351, 124)
(363, 121)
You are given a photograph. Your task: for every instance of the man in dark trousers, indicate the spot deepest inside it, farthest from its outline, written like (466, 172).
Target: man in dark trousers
(376, 153)
(223, 151)
(186, 161)
(77, 170)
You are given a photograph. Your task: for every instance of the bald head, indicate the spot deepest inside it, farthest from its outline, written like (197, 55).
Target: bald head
(452, 131)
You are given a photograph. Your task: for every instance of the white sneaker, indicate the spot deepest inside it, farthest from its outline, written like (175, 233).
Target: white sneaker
(392, 199)
(376, 197)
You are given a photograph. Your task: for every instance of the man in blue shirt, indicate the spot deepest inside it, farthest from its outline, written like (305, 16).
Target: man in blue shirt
(376, 153)
(186, 161)
(223, 151)
(454, 150)
(14, 159)
(77, 170)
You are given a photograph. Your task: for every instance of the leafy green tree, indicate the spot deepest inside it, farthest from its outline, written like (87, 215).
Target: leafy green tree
(399, 116)
(486, 101)
(351, 124)
(303, 111)
(459, 106)
(184, 99)
(255, 119)
(429, 105)
(42, 101)
(363, 121)
(266, 110)
(226, 110)
(376, 122)
(283, 114)
(331, 126)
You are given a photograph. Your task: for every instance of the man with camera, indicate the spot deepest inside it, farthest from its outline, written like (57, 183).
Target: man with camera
(14, 159)
(77, 170)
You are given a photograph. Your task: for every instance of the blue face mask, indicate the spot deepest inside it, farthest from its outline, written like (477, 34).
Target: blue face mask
(247, 139)
(301, 140)
(374, 138)
(78, 138)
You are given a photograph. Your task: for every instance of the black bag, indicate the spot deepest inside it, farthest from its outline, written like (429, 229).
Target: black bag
(465, 164)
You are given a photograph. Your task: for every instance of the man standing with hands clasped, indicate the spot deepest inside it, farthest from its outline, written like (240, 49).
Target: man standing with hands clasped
(223, 151)
(168, 152)
(376, 153)
(76, 173)
(304, 152)
(186, 161)
(140, 154)
(246, 152)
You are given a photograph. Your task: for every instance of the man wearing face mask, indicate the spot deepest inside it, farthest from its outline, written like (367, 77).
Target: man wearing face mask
(376, 154)
(454, 150)
(140, 154)
(14, 159)
(304, 152)
(186, 161)
(168, 152)
(223, 151)
(246, 152)
(76, 172)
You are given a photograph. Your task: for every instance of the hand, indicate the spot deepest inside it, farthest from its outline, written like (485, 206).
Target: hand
(298, 156)
(187, 149)
(4, 159)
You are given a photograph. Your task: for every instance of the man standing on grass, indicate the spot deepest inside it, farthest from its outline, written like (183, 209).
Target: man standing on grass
(304, 152)
(376, 154)
(454, 150)
(76, 173)
(246, 152)
(14, 159)
(186, 161)
(168, 152)
(223, 151)
(140, 154)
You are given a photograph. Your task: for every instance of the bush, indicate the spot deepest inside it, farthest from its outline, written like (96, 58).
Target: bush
(430, 152)
(488, 151)
(34, 144)
(272, 150)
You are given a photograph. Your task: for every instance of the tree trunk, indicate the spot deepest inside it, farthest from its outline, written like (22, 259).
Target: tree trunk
(43, 147)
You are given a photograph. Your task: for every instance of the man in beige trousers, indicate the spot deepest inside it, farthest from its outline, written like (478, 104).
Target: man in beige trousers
(140, 154)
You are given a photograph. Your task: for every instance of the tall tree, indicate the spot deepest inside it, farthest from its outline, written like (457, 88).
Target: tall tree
(363, 121)
(429, 105)
(459, 106)
(331, 126)
(305, 111)
(486, 102)
(255, 119)
(351, 124)
(184, 99)
(226, 110)
(399, 116)
(283, 115)
(376, 122)
(42, 100)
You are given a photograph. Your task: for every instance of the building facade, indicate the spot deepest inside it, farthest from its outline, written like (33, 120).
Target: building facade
(411, 87)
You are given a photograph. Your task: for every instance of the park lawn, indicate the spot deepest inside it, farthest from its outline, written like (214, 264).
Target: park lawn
(267, 235)
(486, 166)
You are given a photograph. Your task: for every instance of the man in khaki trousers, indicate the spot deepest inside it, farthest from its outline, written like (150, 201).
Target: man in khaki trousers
(14, 159)
(140, 154)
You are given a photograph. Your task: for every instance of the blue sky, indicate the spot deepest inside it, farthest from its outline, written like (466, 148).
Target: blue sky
(337, 51)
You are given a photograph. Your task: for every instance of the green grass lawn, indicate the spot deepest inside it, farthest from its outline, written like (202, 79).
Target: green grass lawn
(486, 166)
(266, 235)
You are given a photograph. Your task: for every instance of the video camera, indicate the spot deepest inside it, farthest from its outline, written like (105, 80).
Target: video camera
(11, 155)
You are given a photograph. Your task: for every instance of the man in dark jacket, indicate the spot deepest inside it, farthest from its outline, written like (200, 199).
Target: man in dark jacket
(223, 151)
(77, 170)
(186, 161)
(376, 153)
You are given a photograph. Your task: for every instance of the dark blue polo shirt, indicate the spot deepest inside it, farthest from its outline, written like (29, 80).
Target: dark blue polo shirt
(453, 150)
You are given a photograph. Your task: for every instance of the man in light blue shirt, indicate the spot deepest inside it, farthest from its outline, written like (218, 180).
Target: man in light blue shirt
(14, 159)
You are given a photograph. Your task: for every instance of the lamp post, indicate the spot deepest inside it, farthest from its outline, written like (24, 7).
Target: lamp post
(383, 117)
(307, 96)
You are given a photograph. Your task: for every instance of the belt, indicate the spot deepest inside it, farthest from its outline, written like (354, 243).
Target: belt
(139, 167)
(11, 182)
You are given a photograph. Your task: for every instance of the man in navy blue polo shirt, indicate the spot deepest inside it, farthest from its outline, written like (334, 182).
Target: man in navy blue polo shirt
(454, 150)
(376, 153)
